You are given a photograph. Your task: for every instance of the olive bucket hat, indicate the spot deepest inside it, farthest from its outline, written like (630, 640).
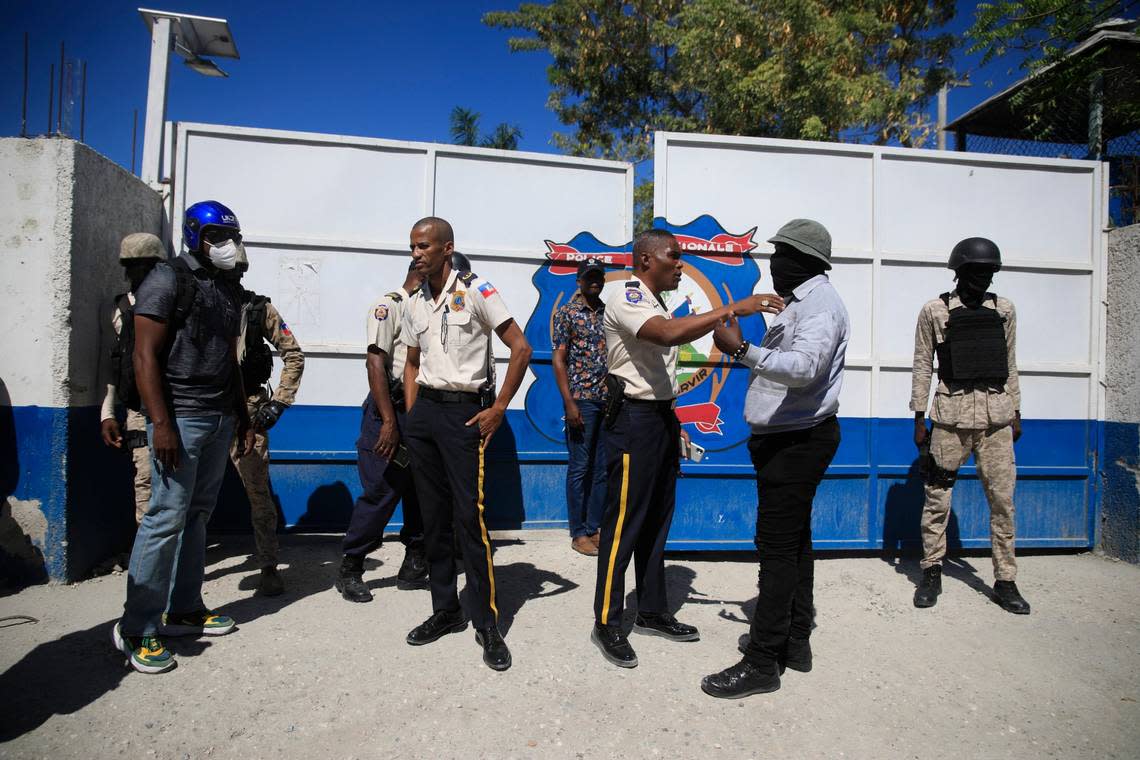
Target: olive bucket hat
(808, 237)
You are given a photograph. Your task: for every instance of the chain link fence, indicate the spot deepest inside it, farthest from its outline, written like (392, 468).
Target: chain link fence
(1091, 106)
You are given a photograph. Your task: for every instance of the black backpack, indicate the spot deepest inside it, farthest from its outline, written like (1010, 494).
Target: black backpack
(257, 360)
(122, 353)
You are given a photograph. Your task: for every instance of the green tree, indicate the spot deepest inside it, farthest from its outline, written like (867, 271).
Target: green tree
(464, 126)
(814, 69)
(1041, 31)
(1051, 106)
(465, 131)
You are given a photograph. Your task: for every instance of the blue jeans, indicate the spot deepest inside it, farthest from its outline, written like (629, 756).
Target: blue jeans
(169, 555)
(586, 471)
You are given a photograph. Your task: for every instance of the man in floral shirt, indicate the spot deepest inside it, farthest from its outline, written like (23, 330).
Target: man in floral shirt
(580, 368)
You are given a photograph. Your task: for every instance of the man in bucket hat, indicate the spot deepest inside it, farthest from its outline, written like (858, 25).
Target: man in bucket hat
(792, 402)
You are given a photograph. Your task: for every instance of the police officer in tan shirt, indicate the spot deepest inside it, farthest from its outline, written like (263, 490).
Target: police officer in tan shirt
(976, 410)
(138, 254)
(643, 440)
(453, 410)
(382, 456)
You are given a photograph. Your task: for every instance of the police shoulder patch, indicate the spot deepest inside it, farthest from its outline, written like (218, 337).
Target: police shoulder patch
(381, 313)
(633, 295)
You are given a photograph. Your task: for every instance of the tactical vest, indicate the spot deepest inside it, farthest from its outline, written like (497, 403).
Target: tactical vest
(257, 360)
(975, 350)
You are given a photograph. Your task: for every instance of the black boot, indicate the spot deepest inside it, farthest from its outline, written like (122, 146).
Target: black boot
(413, 571)
(349, 582)
(926, 595)
(1010, 599)
(797, 656)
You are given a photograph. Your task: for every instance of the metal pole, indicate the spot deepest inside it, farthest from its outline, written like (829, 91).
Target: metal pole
(134, 138)
(51, 96)
(1096, 118)
(942, 92)
(24, 110)
(83, 104)
(156, 101)
(59, 112)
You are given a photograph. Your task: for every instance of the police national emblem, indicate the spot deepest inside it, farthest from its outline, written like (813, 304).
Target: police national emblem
(457, 300)
(718, 268)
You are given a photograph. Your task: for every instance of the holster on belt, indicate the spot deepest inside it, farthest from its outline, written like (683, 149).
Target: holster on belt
(135, 439)
(615, 390)
(396, 394)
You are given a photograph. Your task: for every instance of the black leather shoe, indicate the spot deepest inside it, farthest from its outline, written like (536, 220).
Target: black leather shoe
(741, 680)
(1010, 599)
(926, 595)
(413, 571)
(666, 626)
(349, 582)
(436, 627)
(495, 652)
(614, 645)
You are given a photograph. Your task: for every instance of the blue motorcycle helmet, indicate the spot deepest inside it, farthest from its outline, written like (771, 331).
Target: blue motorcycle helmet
(204, 216)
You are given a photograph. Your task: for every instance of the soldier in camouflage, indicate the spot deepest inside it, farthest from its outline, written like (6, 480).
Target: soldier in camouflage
(976, 409)
(261, 322)
(138, 254)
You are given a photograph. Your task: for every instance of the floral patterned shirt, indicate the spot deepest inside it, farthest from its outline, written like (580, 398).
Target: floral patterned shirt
(578, 329)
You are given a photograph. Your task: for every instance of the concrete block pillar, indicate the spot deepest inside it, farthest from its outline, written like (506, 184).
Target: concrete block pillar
(1120, 457)
(63, 210)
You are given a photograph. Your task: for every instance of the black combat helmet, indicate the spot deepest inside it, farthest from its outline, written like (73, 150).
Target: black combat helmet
(975, 250)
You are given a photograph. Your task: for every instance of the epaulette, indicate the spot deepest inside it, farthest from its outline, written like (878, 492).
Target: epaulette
(415, 290)
(395, 296)
(633, 284)
(467, 278)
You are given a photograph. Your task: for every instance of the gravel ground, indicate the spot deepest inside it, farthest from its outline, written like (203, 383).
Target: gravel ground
(309, 675)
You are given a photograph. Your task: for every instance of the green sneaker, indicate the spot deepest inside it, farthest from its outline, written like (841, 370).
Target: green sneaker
(146, 654)
(200, 623)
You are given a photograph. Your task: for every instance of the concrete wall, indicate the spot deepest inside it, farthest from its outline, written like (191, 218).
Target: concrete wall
(1120, 468)
(63, 211)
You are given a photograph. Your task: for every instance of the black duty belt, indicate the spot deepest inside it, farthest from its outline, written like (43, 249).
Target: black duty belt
(666, 405)
(449, 397)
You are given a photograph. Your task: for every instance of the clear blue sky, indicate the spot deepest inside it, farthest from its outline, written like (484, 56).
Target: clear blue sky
(380, 69)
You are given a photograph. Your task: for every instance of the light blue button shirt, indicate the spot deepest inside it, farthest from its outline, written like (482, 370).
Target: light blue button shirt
(797, 370)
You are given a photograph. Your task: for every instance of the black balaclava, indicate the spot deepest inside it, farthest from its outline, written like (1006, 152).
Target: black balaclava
(973, 282)
(790, 269)
(136, 273)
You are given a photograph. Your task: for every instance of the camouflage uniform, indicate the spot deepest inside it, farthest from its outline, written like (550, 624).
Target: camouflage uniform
(140, 456)
(254, 468)
(967, 418)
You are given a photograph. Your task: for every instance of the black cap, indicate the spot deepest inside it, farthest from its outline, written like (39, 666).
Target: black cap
(589, 264)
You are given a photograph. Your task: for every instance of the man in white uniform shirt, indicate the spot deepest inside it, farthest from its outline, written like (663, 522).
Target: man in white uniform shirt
(453, 410)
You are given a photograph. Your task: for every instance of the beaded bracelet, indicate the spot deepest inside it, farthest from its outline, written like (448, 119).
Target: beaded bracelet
(739, 353)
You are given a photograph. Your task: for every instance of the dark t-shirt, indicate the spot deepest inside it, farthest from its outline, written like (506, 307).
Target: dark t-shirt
(200, 366)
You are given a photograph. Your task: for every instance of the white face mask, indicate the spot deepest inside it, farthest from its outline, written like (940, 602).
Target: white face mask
(224, 256)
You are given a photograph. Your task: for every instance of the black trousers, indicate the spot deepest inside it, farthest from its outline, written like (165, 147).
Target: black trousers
(385, 484)
(789, 467)
(448, 465)
(642, 457)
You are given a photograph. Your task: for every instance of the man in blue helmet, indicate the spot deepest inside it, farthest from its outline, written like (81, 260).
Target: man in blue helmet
(187, 320)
